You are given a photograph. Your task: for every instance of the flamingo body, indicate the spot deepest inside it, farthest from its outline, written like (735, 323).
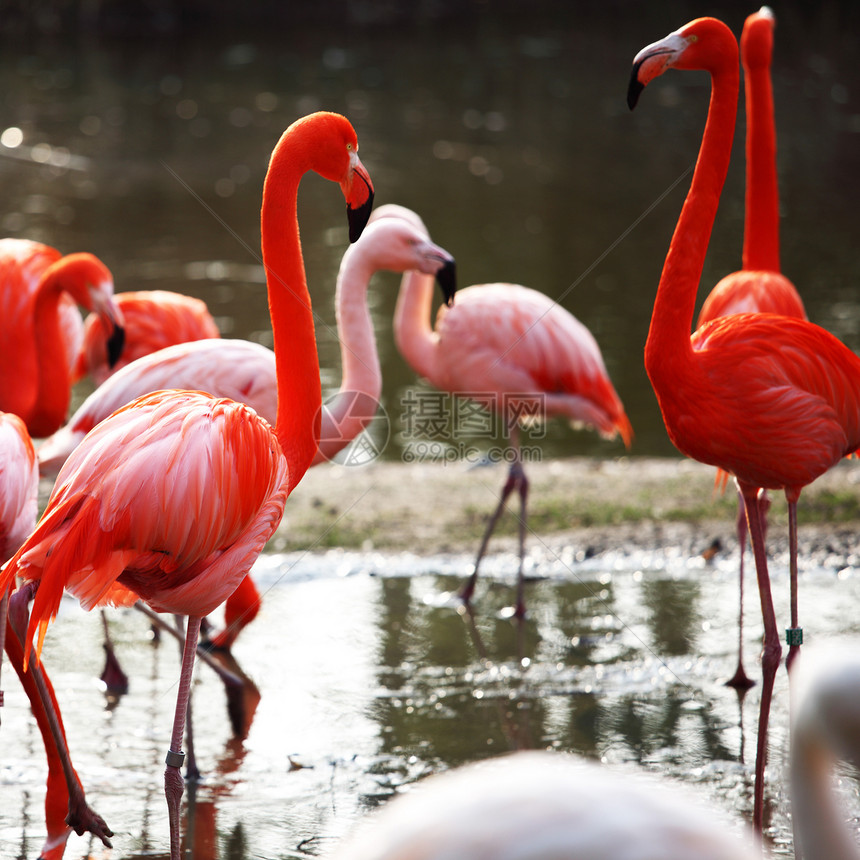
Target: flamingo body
(152, 319)
(794, 409)
(506, 339)
(751, 291)
(213, 481)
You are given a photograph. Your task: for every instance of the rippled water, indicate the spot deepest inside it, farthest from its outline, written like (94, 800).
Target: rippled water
(370, 679)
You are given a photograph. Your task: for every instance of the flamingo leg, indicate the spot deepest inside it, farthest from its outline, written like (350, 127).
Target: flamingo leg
(516, 480)
(192, 772)
(80, 818)
(523, 489)
(173, 785)
(772, 650)
(795, 633)
(740, 680)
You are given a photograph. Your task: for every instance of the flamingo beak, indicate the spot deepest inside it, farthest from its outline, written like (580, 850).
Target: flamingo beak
(112, 321)
(115, 344)
(447, 278)
(634, 89)
(359, 197)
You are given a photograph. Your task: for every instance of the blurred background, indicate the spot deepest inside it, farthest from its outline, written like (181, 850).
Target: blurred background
(141, 132)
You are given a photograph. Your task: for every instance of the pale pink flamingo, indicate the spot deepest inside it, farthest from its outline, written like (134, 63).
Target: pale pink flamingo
(40, 327)
(523, 354)
(759, 287)
(544, 806)
(772, 400)
(64, 796)
(152, 320)
(172, 499)
(245, 372)
(541, 805)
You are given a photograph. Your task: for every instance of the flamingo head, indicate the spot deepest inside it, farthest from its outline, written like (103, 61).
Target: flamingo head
(396, 240)
(704, 43)
(757, 39)
(330, 148)
(89, 282)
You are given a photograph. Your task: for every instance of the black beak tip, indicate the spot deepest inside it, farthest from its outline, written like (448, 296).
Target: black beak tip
(634, 89)
(447, 278)
(358, 218)
(115, 344)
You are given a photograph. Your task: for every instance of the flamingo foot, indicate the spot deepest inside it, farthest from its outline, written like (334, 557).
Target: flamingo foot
(83, 819)
(173, 789)
(740, 681)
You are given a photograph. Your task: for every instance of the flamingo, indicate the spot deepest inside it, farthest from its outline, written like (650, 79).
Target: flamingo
(64, 796)
(40, 329)
(531, 805)
(152, 319)
(525, 356)
(245, 371)
(759, 287)
(172, 498)
(772, 400)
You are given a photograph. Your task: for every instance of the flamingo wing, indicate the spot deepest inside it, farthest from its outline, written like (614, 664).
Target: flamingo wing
(171, 500)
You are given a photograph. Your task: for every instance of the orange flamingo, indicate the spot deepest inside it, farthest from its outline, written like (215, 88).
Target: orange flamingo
(172, 499)
(40, 329)
(772, 400)
(522, 355)
(152, 319)
(759, 287)
(65, 803)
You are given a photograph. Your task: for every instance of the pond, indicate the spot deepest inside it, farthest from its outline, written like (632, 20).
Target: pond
(370, 678)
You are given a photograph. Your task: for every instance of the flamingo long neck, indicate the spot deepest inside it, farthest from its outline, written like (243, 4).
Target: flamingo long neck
(296, 360)
(413, 331)
(53, 388)
(667, 350)
(761, 230)
(359, 358)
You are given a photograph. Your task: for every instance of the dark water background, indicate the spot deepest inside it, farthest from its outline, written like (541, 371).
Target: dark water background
(505, 127)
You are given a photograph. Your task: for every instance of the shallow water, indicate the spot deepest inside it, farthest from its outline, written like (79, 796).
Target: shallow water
(370, 679)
